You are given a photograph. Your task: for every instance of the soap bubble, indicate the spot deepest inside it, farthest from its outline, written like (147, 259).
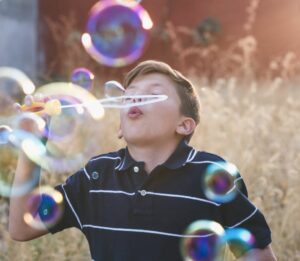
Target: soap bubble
(200, 241)
(117, 34)
(14, 85)
(19, 77)
(219, 182)
(69, 144)
(11, 142)
(73, 94)
(239, 239)
(43, 208)
(83, 77)
(113, 89)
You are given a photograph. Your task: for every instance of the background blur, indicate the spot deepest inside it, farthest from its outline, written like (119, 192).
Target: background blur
(243, 57)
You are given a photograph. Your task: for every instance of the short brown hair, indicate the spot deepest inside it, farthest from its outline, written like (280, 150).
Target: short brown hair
(190, 104)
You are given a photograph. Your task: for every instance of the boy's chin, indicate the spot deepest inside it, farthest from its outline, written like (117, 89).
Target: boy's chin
(138, 140)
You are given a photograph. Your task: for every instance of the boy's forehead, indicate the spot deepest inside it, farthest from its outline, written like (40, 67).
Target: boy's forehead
(150, 80)
(149, 84)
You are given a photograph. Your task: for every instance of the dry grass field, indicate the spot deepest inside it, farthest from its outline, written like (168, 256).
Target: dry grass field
(255, 125)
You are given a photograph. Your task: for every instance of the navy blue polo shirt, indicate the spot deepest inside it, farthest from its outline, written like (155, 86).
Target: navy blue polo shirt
(127, 214)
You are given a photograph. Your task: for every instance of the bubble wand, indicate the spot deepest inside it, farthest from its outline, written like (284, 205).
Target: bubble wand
(54, 107)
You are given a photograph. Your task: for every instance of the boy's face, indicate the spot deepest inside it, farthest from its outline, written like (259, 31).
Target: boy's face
(151, 123)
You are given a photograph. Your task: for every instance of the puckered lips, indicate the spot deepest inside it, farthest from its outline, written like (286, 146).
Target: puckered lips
(134, 112)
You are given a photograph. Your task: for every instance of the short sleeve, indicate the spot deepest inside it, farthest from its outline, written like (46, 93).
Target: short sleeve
(241, 213)
(72, 192)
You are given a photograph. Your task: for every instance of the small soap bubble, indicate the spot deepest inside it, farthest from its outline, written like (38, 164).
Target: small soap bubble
(240, 241)
(200, 241)
(219, 182)
(83, 77)
(43, 208)
(113, 89)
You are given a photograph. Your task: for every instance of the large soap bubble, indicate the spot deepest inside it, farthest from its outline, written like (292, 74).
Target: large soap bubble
(11, 141)
(14, 85)
(69, 144)
(116, 33)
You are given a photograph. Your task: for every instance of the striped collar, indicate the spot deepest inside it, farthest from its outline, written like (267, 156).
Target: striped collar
(182, 155)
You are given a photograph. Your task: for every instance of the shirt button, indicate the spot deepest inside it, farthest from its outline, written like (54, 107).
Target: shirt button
(136, 169)
(95, 175)
(143, 193)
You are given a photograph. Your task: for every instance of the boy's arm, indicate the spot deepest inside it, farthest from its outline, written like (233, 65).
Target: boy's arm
(18, 229)
(265, 254)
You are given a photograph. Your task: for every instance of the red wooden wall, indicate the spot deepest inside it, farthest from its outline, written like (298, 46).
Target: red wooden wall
(276, 27)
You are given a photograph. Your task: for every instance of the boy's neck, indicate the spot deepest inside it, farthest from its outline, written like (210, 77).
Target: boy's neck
(153, 155)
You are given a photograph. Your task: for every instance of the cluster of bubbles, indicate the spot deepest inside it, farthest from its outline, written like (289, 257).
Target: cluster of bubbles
(117, 32)
(49, 124)
(57, 113)
(206, 240)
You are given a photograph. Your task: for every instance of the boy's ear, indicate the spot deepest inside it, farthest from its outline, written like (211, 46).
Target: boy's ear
(186, 126)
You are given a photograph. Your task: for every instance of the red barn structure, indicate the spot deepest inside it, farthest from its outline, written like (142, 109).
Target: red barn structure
(275, 24)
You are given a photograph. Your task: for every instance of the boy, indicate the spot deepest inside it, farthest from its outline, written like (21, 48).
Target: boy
(134, 204)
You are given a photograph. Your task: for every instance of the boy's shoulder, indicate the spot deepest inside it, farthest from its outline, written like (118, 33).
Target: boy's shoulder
(106, 159)
(109, 156)
(203, 156)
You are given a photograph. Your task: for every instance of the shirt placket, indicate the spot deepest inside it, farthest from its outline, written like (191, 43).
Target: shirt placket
(143, 204)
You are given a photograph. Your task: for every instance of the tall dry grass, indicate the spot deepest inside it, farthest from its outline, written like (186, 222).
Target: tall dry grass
(257, 128)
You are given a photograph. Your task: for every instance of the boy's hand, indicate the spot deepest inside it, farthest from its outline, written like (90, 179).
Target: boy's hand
(36, 123)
